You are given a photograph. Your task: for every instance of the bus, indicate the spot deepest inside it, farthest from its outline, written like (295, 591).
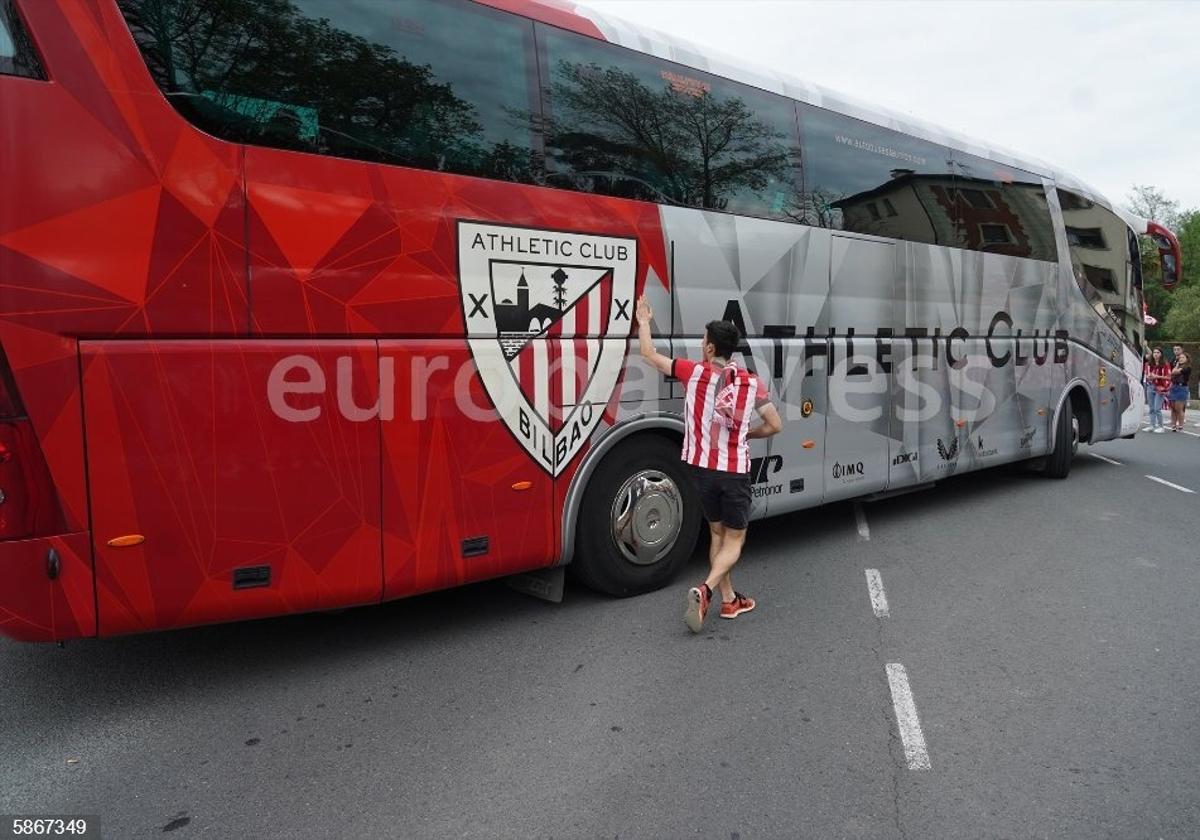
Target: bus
(309, 304)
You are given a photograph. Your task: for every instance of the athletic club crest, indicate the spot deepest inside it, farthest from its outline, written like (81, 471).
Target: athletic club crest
(548, 314)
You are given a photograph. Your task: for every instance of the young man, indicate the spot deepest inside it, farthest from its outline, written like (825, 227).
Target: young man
(719, 401)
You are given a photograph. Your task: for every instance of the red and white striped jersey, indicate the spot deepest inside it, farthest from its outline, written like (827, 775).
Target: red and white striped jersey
(718, 406)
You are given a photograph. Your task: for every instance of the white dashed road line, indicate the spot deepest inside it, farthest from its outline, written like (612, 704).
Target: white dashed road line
(1106, 460)
(906, 718)
(864, 530)
(1170, 484)
(878, 596)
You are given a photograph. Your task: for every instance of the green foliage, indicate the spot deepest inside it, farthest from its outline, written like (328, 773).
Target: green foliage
(1183, 321)
(1184, 324)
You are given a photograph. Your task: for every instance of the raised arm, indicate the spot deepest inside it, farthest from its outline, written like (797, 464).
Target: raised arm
(645, 343)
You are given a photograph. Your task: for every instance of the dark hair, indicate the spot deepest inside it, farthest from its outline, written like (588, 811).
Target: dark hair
(723, 335)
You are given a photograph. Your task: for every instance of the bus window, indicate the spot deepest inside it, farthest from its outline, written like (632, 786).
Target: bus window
(990, 197)
(1099, 244)
(852, 168)
(438, 84)
(622, 123)
(17, 55)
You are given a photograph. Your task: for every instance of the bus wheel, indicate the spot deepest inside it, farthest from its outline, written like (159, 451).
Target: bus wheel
(639, 519)
(1066, 443)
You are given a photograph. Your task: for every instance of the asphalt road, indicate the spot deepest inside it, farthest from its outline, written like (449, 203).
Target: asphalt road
(1048, 631)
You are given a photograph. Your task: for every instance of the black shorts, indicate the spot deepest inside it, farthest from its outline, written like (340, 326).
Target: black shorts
(724, 496)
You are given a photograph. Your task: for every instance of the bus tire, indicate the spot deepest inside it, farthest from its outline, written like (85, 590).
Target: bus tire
(1066, 439)
(639, 519)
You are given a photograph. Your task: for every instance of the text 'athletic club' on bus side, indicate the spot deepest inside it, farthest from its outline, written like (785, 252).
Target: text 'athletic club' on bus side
(286, 335)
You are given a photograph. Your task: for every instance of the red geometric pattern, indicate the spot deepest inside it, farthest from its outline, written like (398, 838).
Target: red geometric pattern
(151, 277)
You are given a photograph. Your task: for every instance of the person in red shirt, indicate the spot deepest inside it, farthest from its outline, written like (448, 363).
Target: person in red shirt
(1157, 374)
(720, 402)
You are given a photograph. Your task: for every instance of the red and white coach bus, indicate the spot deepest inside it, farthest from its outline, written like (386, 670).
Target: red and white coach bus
(306, 304)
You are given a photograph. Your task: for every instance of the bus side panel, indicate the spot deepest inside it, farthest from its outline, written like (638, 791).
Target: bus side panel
(796, 464)
(122, 219)
(454, 476)
(35, 607)
(231, 479)
(863, 280)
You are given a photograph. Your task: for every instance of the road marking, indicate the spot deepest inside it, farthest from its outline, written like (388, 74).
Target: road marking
(1106, 460)
(1186, 432)
(1169, 484)
(906, 718)
(864, 530)
(878, 596)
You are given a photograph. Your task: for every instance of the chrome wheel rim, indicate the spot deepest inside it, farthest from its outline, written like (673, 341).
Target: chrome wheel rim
(647, 514)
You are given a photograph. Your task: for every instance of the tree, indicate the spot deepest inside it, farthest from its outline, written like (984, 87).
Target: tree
(1149, 202)
(1183, 321)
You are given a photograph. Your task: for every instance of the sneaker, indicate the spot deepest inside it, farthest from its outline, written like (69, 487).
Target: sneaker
(1159, 430)
(739, 605)
(1148, 429)
(697, 606)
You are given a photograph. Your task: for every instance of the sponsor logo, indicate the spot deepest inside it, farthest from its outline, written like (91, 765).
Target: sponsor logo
(761, 470)
(1103, 378)
(983, 453)
(806, 408)
(948, 453)
(904, 458)
(537, 304)
(848, 470)
(1027, 438)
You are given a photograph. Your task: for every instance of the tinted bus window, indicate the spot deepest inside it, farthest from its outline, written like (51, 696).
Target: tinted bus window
(626, 124)
(439, 84)
(1100, 258)
(17, 55)
(1001, 210)
(864, 178)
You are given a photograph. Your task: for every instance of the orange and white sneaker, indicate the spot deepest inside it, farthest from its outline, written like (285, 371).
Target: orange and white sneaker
(740, 604)
(697, 605)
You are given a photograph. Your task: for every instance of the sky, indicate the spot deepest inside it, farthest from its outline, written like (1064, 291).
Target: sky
(1102, 90)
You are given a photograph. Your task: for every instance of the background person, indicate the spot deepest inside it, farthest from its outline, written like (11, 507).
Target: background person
(1157, 374)
(720, 400)
(1181, 374)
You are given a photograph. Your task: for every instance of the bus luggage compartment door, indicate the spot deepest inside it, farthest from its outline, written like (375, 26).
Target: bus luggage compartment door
(231, 479)
(463, 500)
(863, 278)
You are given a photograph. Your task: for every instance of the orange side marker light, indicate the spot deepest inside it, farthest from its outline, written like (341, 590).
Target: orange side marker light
(522, 485)
(127, 541)
(809, 444)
